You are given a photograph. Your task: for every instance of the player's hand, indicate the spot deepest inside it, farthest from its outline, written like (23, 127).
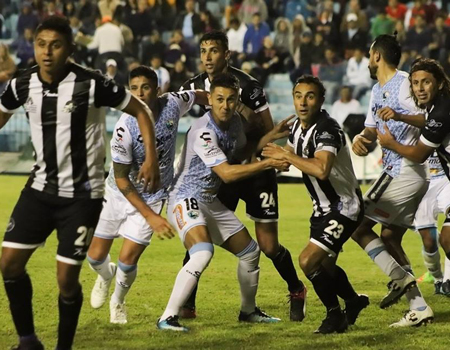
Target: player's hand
(160, 226)
(149, 174)
(274, 151)
(386, 139)
(387, 113)
(359, 145)
(282, 129)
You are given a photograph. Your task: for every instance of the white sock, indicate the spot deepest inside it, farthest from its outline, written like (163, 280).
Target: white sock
(248, 276)
(125, 276)
(188, 277)
(447, 269)
(432, 262)
(378, 253)
(101, 267)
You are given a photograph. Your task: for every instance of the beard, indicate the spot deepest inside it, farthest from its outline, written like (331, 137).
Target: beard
(373, 72)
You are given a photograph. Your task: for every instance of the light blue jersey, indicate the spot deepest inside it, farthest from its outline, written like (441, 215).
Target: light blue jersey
(436, 169)
(396, 95)
(127, 146)
(206, 146)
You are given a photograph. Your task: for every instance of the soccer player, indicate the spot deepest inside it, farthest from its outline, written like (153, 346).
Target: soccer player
(317, 147)
(393, 199)
(198, 215)
(128, 210)
(431, 90)
(63, 102)
(259, 192)
(435, 201)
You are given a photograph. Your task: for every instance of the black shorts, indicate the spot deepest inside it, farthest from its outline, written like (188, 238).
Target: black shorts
(259, 192)
(331, 231)
(37, 214)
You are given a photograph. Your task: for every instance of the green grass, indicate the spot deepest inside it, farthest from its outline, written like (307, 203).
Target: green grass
(218, 298)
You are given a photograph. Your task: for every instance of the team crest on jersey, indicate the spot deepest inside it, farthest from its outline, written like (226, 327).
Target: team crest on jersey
(433, 124)
(178, 211)
(256, 92)
(326, 135)
(11, 225)
(29, 106)
(193, 214)
(69, 107)
(385, 95)
(169, 124)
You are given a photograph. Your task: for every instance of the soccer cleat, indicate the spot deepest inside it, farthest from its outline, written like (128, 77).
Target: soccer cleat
(396, 289)
(33, 345)
(257, 316)
(354, 306)
(188, 312)
(426, 278)
(334, 322)
(415, 318)
(171, 324)
(99, 293)
(118, 313)
(445, 288)
(438, 287)
(298, 305)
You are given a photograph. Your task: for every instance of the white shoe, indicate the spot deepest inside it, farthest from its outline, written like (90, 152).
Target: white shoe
(415, 318)
(99, 293)
(118, 313)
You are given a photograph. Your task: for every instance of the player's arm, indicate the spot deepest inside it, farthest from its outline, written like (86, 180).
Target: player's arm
(159, 225)
(201, 97)
(418, 153)
(233, 172)
(280, 131)
(320, 166)
(150, 169)
(417, 120)
(4, 117)
(363, 140)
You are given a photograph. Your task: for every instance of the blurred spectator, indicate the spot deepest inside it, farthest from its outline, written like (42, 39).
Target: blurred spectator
(162, 73)
(51, 10)
(27, 19)
(327, 23)
(189, 22)
(113, 73)
(177, 50)
(152, 46)
(24, 49)
(396, 10)
(318, 49)
(440, 42)
(301, 58)
(406, 59)
(354, 7)
(344, 106)
(249, 8)
(414, 11)
(382, 24)
(298, 28)
(255, 35)
(87, 12)
(331, 72)
(236, 35)
(141, 22)
(163, 12)
(268, 59)
(209, 22)
(80, 54)
(446, 64)
(283, 36)
(127, 33)
(247, 67)
(357, 73)
(298, 7)
(7, 66)
(69, 9)
(178, 76)
(353, 36)
(431, 10)
(401, 31)
(132, 64)
(107, 7)
(418, 37)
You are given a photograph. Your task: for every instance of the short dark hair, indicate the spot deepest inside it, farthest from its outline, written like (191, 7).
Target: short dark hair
(434, 68)
(145, 71)
(58, 24)
(310, 79)
(216, 35)
(226, 80)
(389, 48)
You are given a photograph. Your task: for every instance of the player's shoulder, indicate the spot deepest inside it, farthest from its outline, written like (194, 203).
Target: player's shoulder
(244, 78)
(402, 74)
(86, 73)
(196, 82)
(24, 75)
(441, 108)
(325, 122)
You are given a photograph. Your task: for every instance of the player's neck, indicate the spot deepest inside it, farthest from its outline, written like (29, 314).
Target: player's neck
(154, 107)
(384, 74)
(213, 75)
(306, 124)
(223, 125)
(54, 77)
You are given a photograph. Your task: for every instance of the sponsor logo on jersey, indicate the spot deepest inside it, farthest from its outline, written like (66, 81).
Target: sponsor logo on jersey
(119, 134)
(178, 211)
(212, 151)
(11, 225)
(327, 239)
(169, 124)
(433, 124)
(256, 92)
(193, 214)
(326, 135)
(119, 149)
(69, 107)
(29, 106)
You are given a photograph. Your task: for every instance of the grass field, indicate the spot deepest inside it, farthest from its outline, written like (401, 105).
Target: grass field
(218, 299)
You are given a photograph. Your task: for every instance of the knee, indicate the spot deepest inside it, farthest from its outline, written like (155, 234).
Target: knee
(201, 254)
(250, 254)
(68, 287)
(307, 263)
(270, 249)
(444, 240)
(429, 244)
(390, 238)
(10, 269)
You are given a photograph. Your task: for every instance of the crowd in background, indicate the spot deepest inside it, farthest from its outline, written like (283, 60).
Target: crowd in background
(329, 39)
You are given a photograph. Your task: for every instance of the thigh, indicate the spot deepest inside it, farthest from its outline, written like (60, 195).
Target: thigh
(31, 221)
(131, 252)
(75, 223)
(114, 212)
(427, 212)
(237, 242)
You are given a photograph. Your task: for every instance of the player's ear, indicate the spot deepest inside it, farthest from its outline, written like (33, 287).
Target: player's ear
(377, 56)
(227, 54)
(158, 91)
(441, 86)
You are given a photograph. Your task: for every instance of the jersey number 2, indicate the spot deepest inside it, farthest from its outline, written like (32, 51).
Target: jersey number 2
(85, 237)
(267, 200)
(335, 229)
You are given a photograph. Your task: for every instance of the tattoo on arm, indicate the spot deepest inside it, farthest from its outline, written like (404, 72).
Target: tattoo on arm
(128, 189)
(121, 171)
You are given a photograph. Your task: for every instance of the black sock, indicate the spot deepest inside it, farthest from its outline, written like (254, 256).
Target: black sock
(69, 311)
(285, 267)
(344, 288)
(325, 288)
(20, 292)
(191, 300)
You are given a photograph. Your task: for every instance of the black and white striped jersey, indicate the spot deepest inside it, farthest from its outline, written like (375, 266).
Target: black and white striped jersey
(340, 192)
(67, 124)
(436, 132)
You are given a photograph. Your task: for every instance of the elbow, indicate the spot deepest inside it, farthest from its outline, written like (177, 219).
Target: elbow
(324, 175)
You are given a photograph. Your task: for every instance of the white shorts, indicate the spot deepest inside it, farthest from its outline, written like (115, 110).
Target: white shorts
(435, 201)
(394, 201)
(120, 218)
(221, 222)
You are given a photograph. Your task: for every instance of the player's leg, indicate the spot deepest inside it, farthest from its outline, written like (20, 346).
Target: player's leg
(444, 240)
(76, 220)
(29, 226)
(431, 255)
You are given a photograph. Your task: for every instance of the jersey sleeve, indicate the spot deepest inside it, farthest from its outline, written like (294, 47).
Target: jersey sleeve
(9, 101)
(328, 138)
(188, 85)
(291, 140)
(207, 148)
(110, 94)
(370, 120)
(121, 143)
(185, 100)
(254, 97)
(436, 129)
